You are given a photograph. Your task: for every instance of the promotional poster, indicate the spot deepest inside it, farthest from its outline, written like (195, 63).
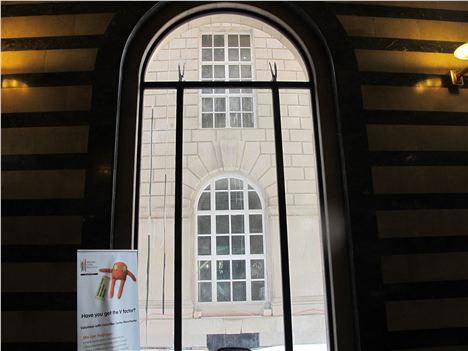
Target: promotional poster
(107, 306)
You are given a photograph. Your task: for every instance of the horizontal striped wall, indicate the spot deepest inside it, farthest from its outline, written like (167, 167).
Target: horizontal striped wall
(54, 60)
(409, 254)
(49, 54)
(55, 26)
(418, 160)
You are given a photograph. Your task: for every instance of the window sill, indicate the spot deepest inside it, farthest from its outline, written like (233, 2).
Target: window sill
(232, 309)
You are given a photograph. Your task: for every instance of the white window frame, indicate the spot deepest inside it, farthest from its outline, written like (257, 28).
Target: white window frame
(226, 95)
(246, 257)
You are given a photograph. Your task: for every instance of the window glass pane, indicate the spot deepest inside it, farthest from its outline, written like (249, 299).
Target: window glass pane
(204, 202)
(204, 245)
(238, 245)
(248, 120)
(237, 224)
(218, 54)
(220, 104)
(234, 104)
(219, 91)
(246, 71)
(255, 225)
(245, 54)
(258, 291)
(233, 54)
(238, 291)
(234, 91)
(204, 270)
(233, 72)
(254, 201)
(207, 104)
(245, 40)
(233, 40)
(207, 40)
(218, 40)
(257, 269)
(220, 120)
(237, 200)
(223, 270)
(207, 120)
(221, 184)
(222, 201)
(222, 245)
(236, 184)
(224, 291)
(238, 269)
(207, 91)
(204, 292)
(161, 105)
(222, 223)
(256, 244)
(218, 71)
(204, 224)
(207, 71)
(247, 104)
(207, 55)
(236, 120)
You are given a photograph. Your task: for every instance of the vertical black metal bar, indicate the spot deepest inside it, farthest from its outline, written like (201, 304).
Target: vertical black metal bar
(283, 225)
(178, 221)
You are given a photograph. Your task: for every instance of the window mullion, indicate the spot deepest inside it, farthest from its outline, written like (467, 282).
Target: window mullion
(247, 252)
(178, 221)
(248, 284)
(226, 77)
(283, 226)
(214, 297)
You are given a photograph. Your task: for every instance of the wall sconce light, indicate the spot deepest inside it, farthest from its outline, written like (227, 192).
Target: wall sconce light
(12, 83)
(460, 53)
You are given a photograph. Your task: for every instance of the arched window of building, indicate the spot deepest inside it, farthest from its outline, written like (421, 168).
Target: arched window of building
(227, 99)
(230, 242)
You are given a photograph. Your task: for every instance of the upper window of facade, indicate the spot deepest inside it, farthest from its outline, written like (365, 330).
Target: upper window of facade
(226, 57)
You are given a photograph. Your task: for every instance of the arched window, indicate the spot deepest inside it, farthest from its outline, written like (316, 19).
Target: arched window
(230, 242)
(228, 94)
(187, 128)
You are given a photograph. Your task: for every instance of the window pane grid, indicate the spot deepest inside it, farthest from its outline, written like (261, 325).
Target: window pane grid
(230, 62)
(231, 255)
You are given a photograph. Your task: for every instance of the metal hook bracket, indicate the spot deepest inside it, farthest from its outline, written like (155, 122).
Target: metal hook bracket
(181, 72)
(274, 71)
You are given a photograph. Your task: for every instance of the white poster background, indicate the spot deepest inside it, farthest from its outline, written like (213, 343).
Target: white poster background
(105, 322)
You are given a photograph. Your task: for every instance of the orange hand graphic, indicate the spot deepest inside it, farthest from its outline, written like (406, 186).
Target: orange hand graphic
(119, 272)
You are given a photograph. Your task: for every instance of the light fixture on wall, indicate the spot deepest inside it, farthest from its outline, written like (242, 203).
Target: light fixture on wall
(12, 83)
(460, 53)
